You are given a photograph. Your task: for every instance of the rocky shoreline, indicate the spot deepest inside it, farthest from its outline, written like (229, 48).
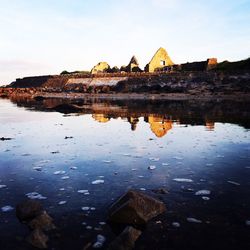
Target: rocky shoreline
(184, 85)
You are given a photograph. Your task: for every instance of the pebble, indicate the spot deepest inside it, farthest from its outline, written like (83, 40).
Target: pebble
(62, 202)
(182, 180)
(65, 177)
(193, 220)
(7, 208)
(97, 182)
(100, 239)
(152, 167)
(203, 192)
(85, 208)
(59, 172)
(35, 196)
(205, 198)
(176, 224)
(234, 183)
(3, 186)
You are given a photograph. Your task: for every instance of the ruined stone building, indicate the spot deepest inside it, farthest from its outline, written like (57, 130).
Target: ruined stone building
(159, 61)
(101, 67)
(133, 65)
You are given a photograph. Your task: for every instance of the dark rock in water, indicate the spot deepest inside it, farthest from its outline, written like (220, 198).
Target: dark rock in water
(126, 240)
(160, 191)
(5, 139)
(135, 208)
(28, 210)
(42, 222)
(38, 239)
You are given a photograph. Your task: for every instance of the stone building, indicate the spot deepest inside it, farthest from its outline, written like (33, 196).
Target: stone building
(159, 61)
(133, 65)
(101, 67)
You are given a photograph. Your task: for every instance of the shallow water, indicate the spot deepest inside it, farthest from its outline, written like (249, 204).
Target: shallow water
(89, 158)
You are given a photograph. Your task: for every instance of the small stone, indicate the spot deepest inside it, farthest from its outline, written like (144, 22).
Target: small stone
(7, 209)
(99, 241)
(205, 198)
(203, 192)
(85, 208)
(176, 224)
(193, 220)
(152, 167)
(97, 182)
(182, 180)
(62, 202)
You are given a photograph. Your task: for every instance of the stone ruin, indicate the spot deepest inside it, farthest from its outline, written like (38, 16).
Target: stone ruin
(159, 62)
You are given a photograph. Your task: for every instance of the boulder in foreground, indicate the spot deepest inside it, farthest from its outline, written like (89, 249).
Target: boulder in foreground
(135, 208)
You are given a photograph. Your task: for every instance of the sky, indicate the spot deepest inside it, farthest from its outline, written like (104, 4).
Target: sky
(49, 36)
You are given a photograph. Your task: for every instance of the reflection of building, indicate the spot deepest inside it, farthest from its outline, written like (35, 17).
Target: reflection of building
(100, 118)
(159, 125)
(210, 125)
(133, 121)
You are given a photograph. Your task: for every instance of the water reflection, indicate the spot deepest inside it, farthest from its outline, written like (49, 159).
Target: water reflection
(59, 154)
(161, 115)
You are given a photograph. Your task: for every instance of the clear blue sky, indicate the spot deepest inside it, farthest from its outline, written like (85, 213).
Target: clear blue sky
(48, 36)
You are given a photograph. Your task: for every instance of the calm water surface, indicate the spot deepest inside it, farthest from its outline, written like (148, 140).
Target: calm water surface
(56, 155)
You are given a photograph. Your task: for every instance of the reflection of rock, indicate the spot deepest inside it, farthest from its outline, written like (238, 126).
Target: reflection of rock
(210, 125)
(133, 121)
(100, 118)
(126, 240)
(135, 208)
(28, 210)
(159, 125)
(38, 239)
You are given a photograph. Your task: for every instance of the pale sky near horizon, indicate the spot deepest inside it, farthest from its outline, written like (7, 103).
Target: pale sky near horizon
(49, 36)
